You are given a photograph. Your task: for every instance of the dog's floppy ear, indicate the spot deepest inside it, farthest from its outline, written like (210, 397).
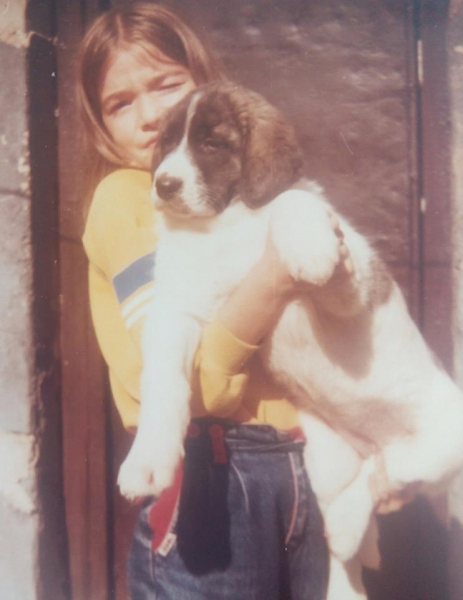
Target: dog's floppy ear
(272, 159)
(171, 131)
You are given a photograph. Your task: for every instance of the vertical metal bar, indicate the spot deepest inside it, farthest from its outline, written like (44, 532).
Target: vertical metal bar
(421, 201)
(435, 179)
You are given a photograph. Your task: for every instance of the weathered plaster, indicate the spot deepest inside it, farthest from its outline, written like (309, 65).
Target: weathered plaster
(14, 155)
(17, 483)
(12, 29)
(21, 514)
(18, 566)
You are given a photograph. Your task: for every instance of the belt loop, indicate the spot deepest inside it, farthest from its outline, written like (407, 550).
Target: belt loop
(219, 450)
(194, 430)
(296, 434)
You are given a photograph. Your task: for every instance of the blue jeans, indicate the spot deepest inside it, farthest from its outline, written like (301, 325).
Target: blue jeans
(248, 524)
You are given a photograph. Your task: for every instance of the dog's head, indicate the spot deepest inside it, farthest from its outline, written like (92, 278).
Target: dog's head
(219, 143)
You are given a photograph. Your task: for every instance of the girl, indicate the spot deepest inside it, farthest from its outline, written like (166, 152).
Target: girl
(246, 523)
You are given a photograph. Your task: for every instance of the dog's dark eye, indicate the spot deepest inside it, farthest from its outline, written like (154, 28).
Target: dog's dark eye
(213, 144)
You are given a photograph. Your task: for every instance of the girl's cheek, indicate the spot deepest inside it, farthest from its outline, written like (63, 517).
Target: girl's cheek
(125, 128)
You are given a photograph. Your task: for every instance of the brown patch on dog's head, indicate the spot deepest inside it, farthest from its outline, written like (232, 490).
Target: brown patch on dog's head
(271, 158)
(235, 145)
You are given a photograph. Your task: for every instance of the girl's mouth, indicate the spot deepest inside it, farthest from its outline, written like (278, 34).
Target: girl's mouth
(150, 143)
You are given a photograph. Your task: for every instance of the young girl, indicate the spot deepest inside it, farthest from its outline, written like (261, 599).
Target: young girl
(246, 523)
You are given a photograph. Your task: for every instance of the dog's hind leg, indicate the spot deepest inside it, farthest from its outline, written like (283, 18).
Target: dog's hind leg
(345, 582)
(348, 516)
(331, 462)
(434, 453)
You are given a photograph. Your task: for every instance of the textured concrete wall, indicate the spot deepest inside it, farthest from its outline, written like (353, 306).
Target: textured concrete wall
(18, 515)
(27, 441)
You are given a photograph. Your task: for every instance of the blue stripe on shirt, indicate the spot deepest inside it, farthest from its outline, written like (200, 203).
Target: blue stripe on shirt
(134, 276)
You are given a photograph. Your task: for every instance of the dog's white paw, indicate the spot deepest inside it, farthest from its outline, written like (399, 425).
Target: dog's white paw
(317, 269)
(135, 480)
(146, 472)
(304, 237)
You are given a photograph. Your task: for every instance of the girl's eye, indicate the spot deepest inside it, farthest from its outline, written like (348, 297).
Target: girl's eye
(117, 106)
(169, 86)
(173, 84)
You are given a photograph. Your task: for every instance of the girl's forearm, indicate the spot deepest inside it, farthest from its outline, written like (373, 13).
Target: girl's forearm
(256, 304)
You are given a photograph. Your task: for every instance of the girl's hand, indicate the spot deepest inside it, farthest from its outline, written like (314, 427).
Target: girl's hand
(388, 500)
(345, 267)
(395, 501)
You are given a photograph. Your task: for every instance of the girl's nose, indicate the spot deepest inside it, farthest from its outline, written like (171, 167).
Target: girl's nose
(149, 112)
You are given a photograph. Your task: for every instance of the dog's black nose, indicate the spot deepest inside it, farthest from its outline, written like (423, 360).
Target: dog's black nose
(167, 186)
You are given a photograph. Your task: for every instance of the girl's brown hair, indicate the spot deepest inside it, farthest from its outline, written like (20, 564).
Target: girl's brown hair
(156, 29)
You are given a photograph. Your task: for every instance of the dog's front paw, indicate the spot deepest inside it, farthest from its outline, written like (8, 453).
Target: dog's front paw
(146, 472)
(317, 269)
(304, 237)
(135, 480)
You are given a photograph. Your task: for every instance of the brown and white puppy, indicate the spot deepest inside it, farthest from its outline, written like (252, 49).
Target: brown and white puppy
(227, 172)
(238, 146)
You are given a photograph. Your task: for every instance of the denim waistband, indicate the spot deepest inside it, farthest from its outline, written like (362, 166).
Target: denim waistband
(248, 437)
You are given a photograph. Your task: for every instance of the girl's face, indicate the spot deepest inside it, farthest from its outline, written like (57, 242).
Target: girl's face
(136, 91)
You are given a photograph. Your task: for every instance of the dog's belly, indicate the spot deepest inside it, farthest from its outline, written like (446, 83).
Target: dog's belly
(371, 375)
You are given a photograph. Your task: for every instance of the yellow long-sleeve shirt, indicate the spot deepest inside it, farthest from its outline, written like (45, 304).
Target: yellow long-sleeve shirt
(120, 243)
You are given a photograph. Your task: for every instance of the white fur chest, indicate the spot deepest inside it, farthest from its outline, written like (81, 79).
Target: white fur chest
(198, 266)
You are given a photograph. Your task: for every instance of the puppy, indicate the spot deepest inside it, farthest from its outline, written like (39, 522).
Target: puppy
(228, 172)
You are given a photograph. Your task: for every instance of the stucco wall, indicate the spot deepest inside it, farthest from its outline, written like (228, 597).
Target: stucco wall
(18, 514)
(29, 409)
